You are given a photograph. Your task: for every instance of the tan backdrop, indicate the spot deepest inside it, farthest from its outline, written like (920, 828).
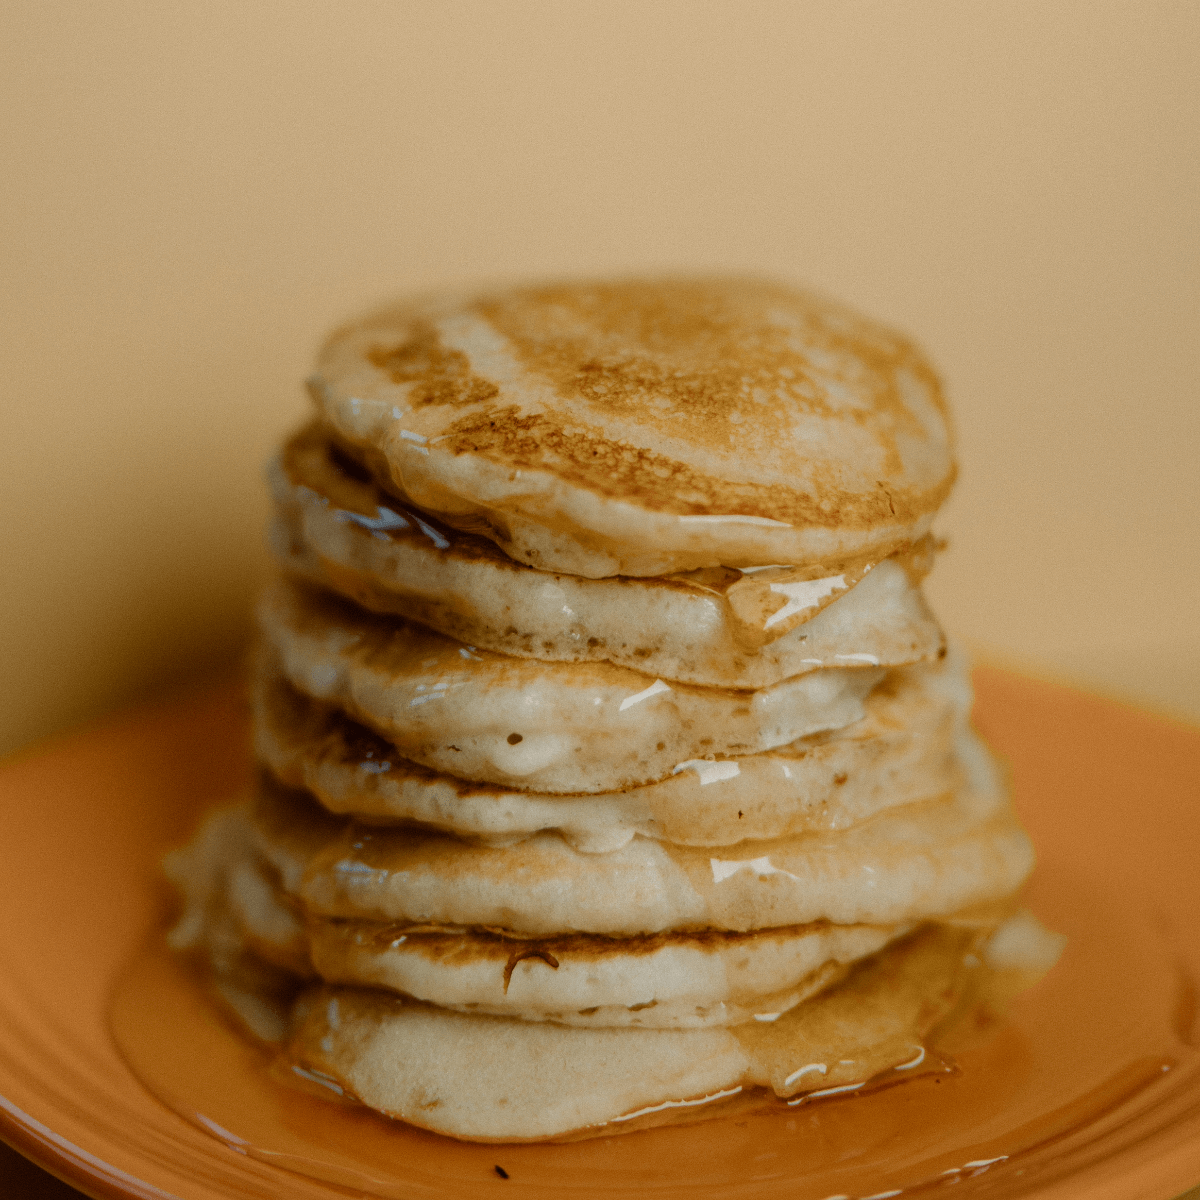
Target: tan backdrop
(193, 192)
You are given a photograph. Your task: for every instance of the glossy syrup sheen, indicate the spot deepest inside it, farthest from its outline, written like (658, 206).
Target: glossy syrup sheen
(1031, 1095)
(1097, 1066)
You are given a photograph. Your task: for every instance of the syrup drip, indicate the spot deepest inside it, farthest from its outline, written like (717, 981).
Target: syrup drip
(1097, 1058)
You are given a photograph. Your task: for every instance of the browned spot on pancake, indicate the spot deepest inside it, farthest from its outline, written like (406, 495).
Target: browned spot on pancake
(719, 364)
(619, 471)
(683, 396)
(720, 350)
(529, 952)
(439, 375)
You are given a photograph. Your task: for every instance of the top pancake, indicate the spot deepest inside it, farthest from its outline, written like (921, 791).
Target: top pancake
(645, 427)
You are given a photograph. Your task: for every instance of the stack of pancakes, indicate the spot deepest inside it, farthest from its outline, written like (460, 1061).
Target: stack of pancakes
(612, 761)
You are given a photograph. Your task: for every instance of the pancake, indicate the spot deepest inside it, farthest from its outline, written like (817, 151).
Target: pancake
(920, 861)
(670, 981)
(234, 903)
(199, 870)
(259, 994)
(492, 1079)
(903, 750)
(722, 627)
(881, 1019)
(646, 427)
(556, 727)
(676, 981)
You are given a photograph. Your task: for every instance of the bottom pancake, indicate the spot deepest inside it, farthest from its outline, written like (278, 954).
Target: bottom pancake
(504, 1078)
(500, 1079)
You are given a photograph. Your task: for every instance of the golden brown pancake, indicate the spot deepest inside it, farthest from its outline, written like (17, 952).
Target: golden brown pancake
(837, 1028)
(669, 981)
(646, 426)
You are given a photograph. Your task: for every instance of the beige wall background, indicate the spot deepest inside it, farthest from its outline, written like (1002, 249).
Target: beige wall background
(193, 192)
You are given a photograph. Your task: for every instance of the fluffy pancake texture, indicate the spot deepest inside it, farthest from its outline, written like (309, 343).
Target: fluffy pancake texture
(559, 727)
(673, 981)
(903, 749)
(611, 762)
(646, 426)
(919, 861)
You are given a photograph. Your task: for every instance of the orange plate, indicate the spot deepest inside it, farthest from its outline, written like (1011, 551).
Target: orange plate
(1091, 1090)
